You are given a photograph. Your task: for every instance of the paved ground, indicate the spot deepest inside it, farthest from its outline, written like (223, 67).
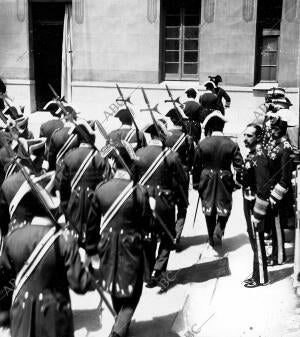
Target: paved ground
(203, 296)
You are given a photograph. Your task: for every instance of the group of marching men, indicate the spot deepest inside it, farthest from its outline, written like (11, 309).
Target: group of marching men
(125, 203)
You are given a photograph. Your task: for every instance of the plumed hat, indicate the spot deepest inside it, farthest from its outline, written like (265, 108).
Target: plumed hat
(191, 92)
(124, 116)
(209, 85)
(214, 114)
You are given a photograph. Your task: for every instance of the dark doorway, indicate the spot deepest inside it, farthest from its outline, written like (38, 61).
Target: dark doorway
(47, 21)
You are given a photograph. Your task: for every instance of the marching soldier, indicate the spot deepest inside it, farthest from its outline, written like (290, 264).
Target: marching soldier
(125, 213)
(166, 185)
(62, 141)
(208, 100)
(127, 132)
(192, 125)
(221, 94)
(83, 169)
(186, 152)
(39, 261)
(212, 175)
(48, 127)
(279, 153)
(256, 191)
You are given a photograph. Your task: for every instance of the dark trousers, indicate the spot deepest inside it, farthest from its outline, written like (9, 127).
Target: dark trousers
(215, 225)
(260, 269)
(256, 238)
(125, 308)
(278, 239)
(248, 206)
(163, 255)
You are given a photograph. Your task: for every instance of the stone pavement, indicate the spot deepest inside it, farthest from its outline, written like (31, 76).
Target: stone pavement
(202, 296)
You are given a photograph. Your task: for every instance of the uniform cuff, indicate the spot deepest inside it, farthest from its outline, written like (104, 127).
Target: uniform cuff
(278, 192)
(260, 208)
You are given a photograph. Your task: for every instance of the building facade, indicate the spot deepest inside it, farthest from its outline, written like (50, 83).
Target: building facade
(252, 44)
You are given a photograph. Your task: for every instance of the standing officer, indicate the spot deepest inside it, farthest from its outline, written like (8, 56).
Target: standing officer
(83, 169)
(212, 175)
(125, 218)
(166, 185)
(281, 196)
(256, 191)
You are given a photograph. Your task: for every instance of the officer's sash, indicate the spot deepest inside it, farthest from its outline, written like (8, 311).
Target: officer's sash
(83, 167)
(65, 147)
(35, 257)
(124, 195)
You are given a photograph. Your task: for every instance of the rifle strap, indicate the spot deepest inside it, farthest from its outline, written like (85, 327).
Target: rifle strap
(130, 134)
(24, 188)
(35, 257)
(65, 147)
(83, 167)
(123, 196)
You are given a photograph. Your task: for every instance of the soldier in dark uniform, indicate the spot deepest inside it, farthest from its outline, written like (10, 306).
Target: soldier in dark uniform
(83, 169)
(127, 131)
(12, 208)
(166, 185)
(192, 125)
(120, 244)
(208, 100)
(40, 301)
(62, 140)
(212, 175)
(256, 191)
(186, 151)
(221, 94)
(48, 127)
(279, 153)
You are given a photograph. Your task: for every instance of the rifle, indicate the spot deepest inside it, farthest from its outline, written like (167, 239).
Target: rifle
(160, 135)
(124, 100)
(175, 107)
(87, 140)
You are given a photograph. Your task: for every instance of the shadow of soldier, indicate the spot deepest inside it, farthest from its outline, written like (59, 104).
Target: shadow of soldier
(186, 242)
(157, 326)
(199, 272)
(89, 319)
(280, 274)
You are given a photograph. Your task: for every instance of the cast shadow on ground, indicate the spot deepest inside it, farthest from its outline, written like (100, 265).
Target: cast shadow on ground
(89, 319)
(235, 242)
(197, 273)
(156, 327)
(189, 241)
(280, 274)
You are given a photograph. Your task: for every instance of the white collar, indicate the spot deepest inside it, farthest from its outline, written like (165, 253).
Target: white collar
(122, 174)
(125, 126)
(217, 133)
(85, 145)
(156, 142)
(176, 127)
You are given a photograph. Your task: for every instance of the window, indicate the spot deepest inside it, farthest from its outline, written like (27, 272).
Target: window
(268, 34)
(181, 39)
(269, 53)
